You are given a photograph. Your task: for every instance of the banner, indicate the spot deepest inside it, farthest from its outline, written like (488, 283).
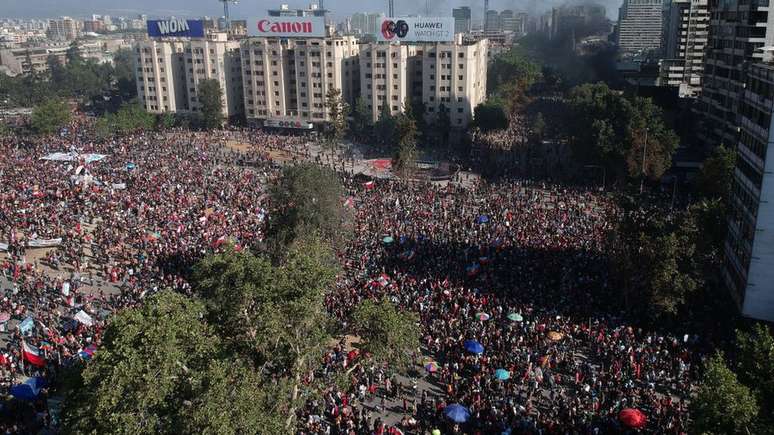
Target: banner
(44, 243)
(176, 28)
(304, 27)
(416, 29)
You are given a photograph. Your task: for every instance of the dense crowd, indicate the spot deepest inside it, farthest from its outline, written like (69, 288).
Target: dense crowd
(517, 268)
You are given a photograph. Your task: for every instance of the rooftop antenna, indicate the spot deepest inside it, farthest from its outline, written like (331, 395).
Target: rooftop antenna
(226, 15)
(427, 8)
(391, 4)
(486, 13)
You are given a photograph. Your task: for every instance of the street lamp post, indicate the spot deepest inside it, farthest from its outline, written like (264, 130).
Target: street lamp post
(644, 150)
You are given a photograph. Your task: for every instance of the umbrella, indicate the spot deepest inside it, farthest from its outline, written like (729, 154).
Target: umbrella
(482, 316)
(502, 374)
(387, 240)
(29, 389)
(515, 317)
(130, 166)
(555, 336)
(473, 346)
(482, 219)
(457, 413)
(633, 418)
(4, 317)
(431, 366)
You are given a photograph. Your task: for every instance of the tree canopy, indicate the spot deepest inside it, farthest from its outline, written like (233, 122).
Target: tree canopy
(211, 99)
(50, 117)
(389, 335)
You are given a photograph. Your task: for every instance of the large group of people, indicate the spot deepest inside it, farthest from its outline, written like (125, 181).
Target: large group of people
(509, 281)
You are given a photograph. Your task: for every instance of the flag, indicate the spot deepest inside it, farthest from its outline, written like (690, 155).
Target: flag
(473, 270)
(382, 281)
(32, 355)
(349, 202)
(369, 185)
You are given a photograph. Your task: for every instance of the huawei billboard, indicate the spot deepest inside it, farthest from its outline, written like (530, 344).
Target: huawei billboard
(289, 27)
(416, 29)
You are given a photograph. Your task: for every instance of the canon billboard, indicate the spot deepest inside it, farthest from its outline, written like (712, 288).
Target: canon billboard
(286, 27)
(417, 29)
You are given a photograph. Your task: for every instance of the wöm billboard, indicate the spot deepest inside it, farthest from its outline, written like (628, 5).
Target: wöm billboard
(176, 28)
(417, 29)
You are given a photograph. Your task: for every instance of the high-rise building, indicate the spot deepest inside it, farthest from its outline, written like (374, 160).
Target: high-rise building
(640, 26)
(63, 29)
(287, 79)
(686, 29)
(387, 75)
(748, 250)
(462, 20)
(738, 32)
(161, 76)
(367, 24)
(492, 23)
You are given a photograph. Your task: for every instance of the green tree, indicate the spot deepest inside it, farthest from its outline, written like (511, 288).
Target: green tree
(385, 127)
(73, 54)
(388, 335)
(166, 121)
(490, 115)
(717, 174)
(211, 99)
(442, 125)
(338, 110)
(722, 405)
(50, 116)
(362, 124)
(756, 363)
(539, 127)
(307, 199)
(123, 73)
(274, 315)
(140, 378)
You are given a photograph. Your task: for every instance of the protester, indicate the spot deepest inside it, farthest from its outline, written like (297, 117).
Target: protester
(468, 260)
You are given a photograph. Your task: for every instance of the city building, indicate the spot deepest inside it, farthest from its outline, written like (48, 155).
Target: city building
(640, 26)
(367, 24)
(388, 73)
(20, 61)
(169, 72)
(286, 79)
(686, 31)
(738, 33)
(453, 78)
(63, 29)
(463, 22)
(749, 248)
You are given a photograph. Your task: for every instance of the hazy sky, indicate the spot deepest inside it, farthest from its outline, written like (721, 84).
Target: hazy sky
(245, 8)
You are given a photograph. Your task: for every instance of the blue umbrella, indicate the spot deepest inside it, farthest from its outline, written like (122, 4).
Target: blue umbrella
(387, 240)
(29, 389)
(130, 166)
(473, 346)
(457, 413)
(482, 219)
(502, 374)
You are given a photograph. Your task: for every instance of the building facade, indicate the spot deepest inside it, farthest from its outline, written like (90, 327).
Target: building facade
(463, 20)
(685, 36)
(749, 248)
(739, 30)
(366, 24)
(388, 73)
(170, 72)
(640, 26)
(63, 29)
(287, 79)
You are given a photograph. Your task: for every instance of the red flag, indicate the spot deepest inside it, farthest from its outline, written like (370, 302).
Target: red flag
(369, 185)
(32, 355)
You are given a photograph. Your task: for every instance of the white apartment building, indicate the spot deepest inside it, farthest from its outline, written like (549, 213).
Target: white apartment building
(453, 76)
(286, 79)
(160, 73)
(169, 73)
(387, 75)
(215, 57)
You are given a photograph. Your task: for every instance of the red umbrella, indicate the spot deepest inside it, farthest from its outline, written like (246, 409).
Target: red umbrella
(633, 418)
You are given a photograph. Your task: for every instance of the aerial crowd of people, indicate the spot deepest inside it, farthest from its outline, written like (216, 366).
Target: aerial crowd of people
(508, 279)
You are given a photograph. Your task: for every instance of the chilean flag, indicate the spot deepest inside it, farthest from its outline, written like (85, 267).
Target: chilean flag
(32, 355)
(369, 185)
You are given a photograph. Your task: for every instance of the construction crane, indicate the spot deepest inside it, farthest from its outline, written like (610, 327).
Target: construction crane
(391, 7)
(226, 15)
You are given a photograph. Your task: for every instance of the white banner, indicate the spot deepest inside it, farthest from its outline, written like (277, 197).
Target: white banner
(44, 243)
(304, 27)
(3, 246)
(84, 318)
(416, 29)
